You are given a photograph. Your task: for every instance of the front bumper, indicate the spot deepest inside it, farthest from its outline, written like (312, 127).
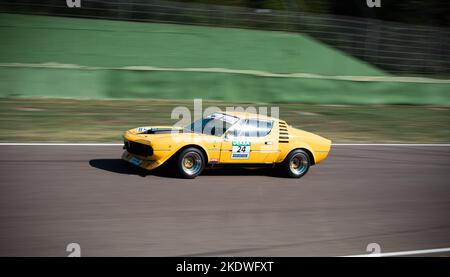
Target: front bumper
(140, 161)
(137, 148)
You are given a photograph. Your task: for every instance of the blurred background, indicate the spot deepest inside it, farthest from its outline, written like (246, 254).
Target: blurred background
(343, 70)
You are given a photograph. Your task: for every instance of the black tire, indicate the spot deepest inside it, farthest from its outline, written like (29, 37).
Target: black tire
(190, 163)
(296, 164)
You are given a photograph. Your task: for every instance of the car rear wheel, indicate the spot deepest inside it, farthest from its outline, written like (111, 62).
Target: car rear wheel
(296, 164)
(190, 163)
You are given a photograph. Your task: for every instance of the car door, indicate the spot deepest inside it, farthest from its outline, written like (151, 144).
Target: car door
(250, 141)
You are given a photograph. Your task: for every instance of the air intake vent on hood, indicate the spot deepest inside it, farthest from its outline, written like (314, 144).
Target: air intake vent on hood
(283, 132)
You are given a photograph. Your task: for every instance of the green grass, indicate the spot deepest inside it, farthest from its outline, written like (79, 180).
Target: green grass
(60, 120)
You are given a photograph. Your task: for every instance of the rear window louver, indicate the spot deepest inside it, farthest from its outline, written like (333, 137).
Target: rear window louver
(283, 132)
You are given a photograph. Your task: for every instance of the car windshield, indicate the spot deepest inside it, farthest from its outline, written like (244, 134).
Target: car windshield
(215, 124)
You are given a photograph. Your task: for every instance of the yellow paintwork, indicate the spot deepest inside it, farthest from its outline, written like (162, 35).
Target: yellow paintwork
(266, 149)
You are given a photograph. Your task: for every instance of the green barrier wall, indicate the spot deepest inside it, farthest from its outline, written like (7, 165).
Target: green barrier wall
(99, 43)
(119, 84)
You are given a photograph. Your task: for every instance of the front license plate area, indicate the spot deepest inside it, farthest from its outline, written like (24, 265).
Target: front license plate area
(135, 161)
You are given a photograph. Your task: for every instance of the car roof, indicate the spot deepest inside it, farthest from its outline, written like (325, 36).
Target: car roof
(250, 115)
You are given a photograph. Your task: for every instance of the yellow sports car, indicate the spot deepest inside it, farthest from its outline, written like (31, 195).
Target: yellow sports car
(220, 139)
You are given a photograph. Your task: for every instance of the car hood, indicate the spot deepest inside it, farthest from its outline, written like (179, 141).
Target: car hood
(154, 130)
(155, 134)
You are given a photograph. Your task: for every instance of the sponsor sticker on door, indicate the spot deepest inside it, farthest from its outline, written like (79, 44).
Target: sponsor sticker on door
(241, 150)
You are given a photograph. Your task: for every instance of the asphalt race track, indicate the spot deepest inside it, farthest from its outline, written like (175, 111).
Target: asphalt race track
(398, 197)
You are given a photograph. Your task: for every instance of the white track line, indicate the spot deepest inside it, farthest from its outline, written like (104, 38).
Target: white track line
(120, 144)
(404, 253)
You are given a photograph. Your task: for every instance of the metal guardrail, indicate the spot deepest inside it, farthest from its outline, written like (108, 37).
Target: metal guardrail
(396, 48)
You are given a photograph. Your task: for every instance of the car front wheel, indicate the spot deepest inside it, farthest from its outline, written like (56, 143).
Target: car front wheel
(296, 164)
(190, 163)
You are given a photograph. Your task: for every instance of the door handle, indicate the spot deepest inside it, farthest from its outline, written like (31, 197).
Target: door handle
(268, 143)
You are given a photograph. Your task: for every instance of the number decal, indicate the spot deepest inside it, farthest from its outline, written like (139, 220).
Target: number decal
(241, 150)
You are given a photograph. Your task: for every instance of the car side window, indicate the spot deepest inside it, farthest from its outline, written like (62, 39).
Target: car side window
(237, 129)
(264, 128)
(252, 128)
